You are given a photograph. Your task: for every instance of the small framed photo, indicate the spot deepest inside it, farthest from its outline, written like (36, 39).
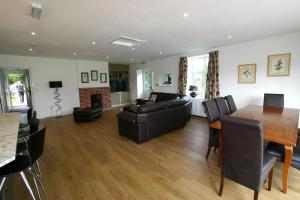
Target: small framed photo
(94, 75)
(84, 77)
(279, 65)
(103, 77)
(247, 73)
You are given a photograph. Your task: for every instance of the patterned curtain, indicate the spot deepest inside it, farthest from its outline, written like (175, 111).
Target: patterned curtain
(182, 78)
(212, 80)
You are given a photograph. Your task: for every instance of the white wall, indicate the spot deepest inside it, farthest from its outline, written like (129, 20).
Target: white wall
(167, 65)
(243, 53)
(43, 70)
(257, 52)
(87, 66)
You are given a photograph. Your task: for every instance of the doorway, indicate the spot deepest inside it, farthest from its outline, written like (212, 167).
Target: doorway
(15, 90)
(144, 83)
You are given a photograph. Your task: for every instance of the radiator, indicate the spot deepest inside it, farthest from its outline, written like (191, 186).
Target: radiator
(197, 108)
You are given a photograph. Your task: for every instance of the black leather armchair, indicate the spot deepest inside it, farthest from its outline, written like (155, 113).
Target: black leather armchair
(243, 158)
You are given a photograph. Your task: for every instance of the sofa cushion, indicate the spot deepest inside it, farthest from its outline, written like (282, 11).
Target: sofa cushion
(151, 107)
(174, 102)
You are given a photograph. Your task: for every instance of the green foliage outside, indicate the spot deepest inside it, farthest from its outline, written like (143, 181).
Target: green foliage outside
(13, 78)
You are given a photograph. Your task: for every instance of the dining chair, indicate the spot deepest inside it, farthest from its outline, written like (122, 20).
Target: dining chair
(29, 116)
(222, 106)
(273, 100)
(213, 114)
(33, 127)
(244, 160)
(26, 163)
(278, 151)
(231, 104)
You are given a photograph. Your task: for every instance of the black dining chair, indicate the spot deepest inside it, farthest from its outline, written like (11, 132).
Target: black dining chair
(273, 100)
(278, 151)
(25, 163)
(223, 108)
(231, 104)
(213, 114)
(244, 160)
(33, 127)
(29, 116)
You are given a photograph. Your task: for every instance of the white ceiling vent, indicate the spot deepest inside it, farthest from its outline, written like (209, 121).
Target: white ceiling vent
(36, 10)
(128, 42)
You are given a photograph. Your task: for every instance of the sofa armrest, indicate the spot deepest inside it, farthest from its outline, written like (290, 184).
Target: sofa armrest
(129, 116)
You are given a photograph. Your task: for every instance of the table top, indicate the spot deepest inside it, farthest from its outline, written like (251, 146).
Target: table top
(9, 126)
(279, 125)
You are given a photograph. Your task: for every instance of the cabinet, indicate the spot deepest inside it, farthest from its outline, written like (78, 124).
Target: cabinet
(120, 98)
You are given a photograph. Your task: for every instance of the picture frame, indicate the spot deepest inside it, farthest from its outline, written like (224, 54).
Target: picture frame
(247, 73)
(84, 77)
(94, 75)
(103, 77)
(279, 64)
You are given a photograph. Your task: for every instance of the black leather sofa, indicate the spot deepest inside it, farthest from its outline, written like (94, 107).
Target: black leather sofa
(143, 122)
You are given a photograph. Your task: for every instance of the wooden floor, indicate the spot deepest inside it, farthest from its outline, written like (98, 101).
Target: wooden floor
(90, 161)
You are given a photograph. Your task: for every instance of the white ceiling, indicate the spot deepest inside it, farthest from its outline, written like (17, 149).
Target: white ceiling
(68, 26)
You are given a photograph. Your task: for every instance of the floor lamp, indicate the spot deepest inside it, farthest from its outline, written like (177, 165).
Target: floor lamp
(56, 85)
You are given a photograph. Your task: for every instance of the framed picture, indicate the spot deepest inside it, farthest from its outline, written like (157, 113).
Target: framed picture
(94, 75)
(247, 73)
(84, 77)
(103, 77)
(279, 65)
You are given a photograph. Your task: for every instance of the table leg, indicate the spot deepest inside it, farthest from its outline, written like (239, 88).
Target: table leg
(220, 149)
(287, 162)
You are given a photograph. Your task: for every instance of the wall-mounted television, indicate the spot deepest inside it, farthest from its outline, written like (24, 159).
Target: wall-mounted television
(119, 85)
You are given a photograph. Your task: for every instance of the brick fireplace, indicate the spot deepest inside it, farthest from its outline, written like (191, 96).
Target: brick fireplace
(85, 96)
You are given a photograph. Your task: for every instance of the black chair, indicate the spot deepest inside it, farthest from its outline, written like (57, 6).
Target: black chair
(22, 146)
(274, 100)
(213, 114)
(230, 103)
(29, 116)
(278, 151)
(24, 163)
(223, 108)
(243, 158)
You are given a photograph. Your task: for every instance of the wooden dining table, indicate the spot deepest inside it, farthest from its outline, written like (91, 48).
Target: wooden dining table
(279, 125)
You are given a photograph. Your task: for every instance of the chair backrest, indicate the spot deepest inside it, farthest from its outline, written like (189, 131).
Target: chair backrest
(29, 114)
(211, 110)
(34, 114)
(230, 103)
(34, 125)
(274, 100)
(242, 151)
(222, 106)
(36, 144)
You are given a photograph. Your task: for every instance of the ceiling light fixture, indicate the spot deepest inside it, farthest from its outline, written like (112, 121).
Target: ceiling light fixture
(93, 43)
(30, 49)
(33, 33)
(107, 57)
(185, 15)
(128, 42)
(133, 49)
(160, 52)
(131, 59)
(74, 54)
(229, 37)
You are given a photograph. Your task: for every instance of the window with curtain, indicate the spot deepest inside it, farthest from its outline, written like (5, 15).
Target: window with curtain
(197, 70)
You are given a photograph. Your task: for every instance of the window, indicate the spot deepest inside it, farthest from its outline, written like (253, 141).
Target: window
(197, 69)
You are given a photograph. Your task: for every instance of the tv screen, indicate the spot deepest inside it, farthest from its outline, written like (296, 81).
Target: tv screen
(55, 84)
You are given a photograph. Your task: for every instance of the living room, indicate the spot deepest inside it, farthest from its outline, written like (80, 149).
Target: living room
(130, 54)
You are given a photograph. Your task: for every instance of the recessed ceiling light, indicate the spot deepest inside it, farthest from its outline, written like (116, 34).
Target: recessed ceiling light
(30, 49)
(75, 54)
(107, 57)
(133, 49)
(33, 33)
(132, 59)
(93, 43)
(185, 15)
(160, 52)
(229, 37)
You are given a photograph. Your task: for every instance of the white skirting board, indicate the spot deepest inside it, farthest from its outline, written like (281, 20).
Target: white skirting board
(197, 108)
